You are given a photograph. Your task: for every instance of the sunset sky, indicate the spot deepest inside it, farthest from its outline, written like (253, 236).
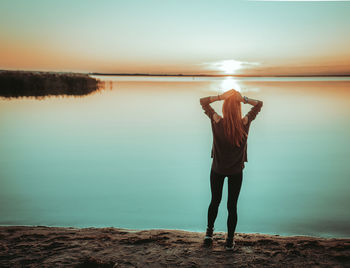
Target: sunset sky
(164, 36)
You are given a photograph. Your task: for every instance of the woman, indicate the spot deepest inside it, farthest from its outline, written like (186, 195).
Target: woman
(229, 152)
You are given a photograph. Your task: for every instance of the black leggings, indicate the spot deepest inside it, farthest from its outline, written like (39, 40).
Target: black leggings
(234, 187)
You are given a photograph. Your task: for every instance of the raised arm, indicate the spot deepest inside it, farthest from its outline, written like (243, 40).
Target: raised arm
(208, 110)
(257, 104)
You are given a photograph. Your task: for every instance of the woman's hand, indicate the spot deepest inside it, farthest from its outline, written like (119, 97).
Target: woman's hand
(231, 92)
(239, 97)
(227, 94)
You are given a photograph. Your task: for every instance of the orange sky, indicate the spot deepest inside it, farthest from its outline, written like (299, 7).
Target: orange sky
(221, 37)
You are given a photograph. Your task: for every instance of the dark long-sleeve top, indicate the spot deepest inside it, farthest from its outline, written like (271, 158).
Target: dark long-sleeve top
(227, 158)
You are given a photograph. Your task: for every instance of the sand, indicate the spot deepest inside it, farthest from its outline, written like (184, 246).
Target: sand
(41, 246)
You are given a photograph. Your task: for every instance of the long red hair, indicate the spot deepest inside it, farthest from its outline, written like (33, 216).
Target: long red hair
(232, 120)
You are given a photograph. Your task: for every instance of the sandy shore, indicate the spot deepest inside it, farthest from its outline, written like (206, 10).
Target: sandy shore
(22, 246)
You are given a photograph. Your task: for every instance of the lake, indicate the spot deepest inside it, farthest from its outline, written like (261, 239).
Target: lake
(136, 154)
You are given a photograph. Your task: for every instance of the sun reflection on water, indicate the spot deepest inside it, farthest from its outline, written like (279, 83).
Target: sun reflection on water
(229, 83)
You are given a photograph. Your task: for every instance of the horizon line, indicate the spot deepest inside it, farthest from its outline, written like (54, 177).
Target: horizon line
(219, 75)
(184, 75)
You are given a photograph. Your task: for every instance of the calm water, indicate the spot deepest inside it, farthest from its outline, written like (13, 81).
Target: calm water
(137, 155)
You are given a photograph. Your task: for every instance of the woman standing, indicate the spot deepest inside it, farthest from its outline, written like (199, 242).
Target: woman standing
(229, 152)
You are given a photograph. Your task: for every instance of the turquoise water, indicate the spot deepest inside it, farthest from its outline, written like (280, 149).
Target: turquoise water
(137, 155)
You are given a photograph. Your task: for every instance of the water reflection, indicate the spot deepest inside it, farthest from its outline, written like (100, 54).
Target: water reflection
(138, 156)
(229, 83)
(233, 83)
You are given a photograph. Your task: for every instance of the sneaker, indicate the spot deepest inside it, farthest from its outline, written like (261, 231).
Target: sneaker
(230, 244)
(209, 235)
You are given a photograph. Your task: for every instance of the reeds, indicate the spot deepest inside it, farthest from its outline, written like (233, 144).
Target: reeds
(14, 84)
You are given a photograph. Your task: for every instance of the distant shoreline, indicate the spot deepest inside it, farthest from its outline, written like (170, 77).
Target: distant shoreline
(210, 75)
(170, 75)
(14, 84)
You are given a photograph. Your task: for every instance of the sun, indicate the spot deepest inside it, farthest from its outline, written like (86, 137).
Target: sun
(230, 66)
